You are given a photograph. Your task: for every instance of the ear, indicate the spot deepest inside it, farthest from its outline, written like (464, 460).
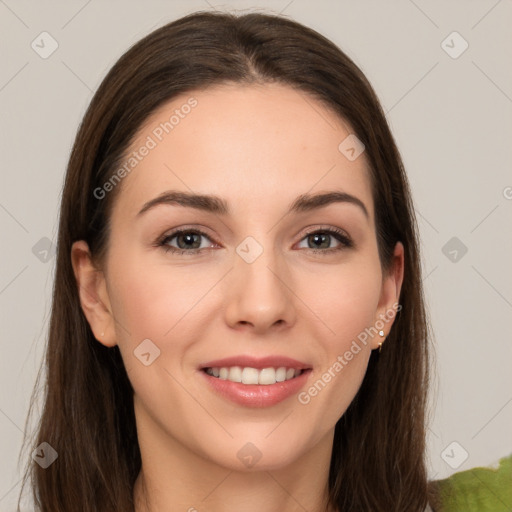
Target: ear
(93, 294)
(390, 293)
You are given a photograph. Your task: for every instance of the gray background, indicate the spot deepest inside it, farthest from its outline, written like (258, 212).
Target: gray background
(452, 121)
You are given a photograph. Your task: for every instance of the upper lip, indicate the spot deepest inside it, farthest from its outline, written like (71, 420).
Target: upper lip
(256, 362)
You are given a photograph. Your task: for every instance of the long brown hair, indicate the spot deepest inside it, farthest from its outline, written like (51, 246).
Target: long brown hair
(88, 417)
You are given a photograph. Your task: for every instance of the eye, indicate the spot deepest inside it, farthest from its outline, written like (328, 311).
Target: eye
(321, 238)
(187, 241)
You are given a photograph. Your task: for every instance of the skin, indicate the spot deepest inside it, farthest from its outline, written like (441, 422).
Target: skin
(258, 147)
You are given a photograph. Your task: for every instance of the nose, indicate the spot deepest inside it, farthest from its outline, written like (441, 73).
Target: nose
(260, 295)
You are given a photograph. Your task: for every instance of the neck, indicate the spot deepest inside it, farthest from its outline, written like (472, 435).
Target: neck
(173, 477)
(263, 492)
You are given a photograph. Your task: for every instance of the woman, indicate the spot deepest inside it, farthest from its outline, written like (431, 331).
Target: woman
(238, 319)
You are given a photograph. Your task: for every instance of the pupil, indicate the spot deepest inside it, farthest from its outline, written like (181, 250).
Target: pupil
(189, 237)
(317, 236)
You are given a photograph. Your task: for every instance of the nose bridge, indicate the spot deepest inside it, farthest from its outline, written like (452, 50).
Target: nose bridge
(258, 294)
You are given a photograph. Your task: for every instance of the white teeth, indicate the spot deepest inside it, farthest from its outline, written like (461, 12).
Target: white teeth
(267, 376)
(235, 374)
(281, 374)
(248, 375)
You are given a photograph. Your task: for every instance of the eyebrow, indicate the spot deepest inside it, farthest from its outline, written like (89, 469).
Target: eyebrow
(215, 204)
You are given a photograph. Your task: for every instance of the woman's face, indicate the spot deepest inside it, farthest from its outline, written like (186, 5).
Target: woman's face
(256, 292)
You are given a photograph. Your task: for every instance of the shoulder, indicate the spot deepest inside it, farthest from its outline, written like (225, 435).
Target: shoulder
(481, 489)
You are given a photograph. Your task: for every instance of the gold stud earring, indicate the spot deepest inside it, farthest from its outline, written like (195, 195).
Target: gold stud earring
(381, 334)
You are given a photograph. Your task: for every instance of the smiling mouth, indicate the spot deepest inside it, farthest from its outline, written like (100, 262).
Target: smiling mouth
(254, 376)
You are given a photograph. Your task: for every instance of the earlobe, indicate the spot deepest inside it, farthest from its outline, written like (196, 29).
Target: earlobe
(93, 294)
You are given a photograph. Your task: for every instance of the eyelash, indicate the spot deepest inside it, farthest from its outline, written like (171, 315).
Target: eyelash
(341, 236)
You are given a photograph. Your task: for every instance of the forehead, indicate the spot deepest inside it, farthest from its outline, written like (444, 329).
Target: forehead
(258, 146)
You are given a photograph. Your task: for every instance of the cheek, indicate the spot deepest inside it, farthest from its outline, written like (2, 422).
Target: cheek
(149, 300)
(154, 302)
(346, 302)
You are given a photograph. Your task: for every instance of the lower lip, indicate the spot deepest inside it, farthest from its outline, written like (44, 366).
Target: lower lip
(256, 395)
